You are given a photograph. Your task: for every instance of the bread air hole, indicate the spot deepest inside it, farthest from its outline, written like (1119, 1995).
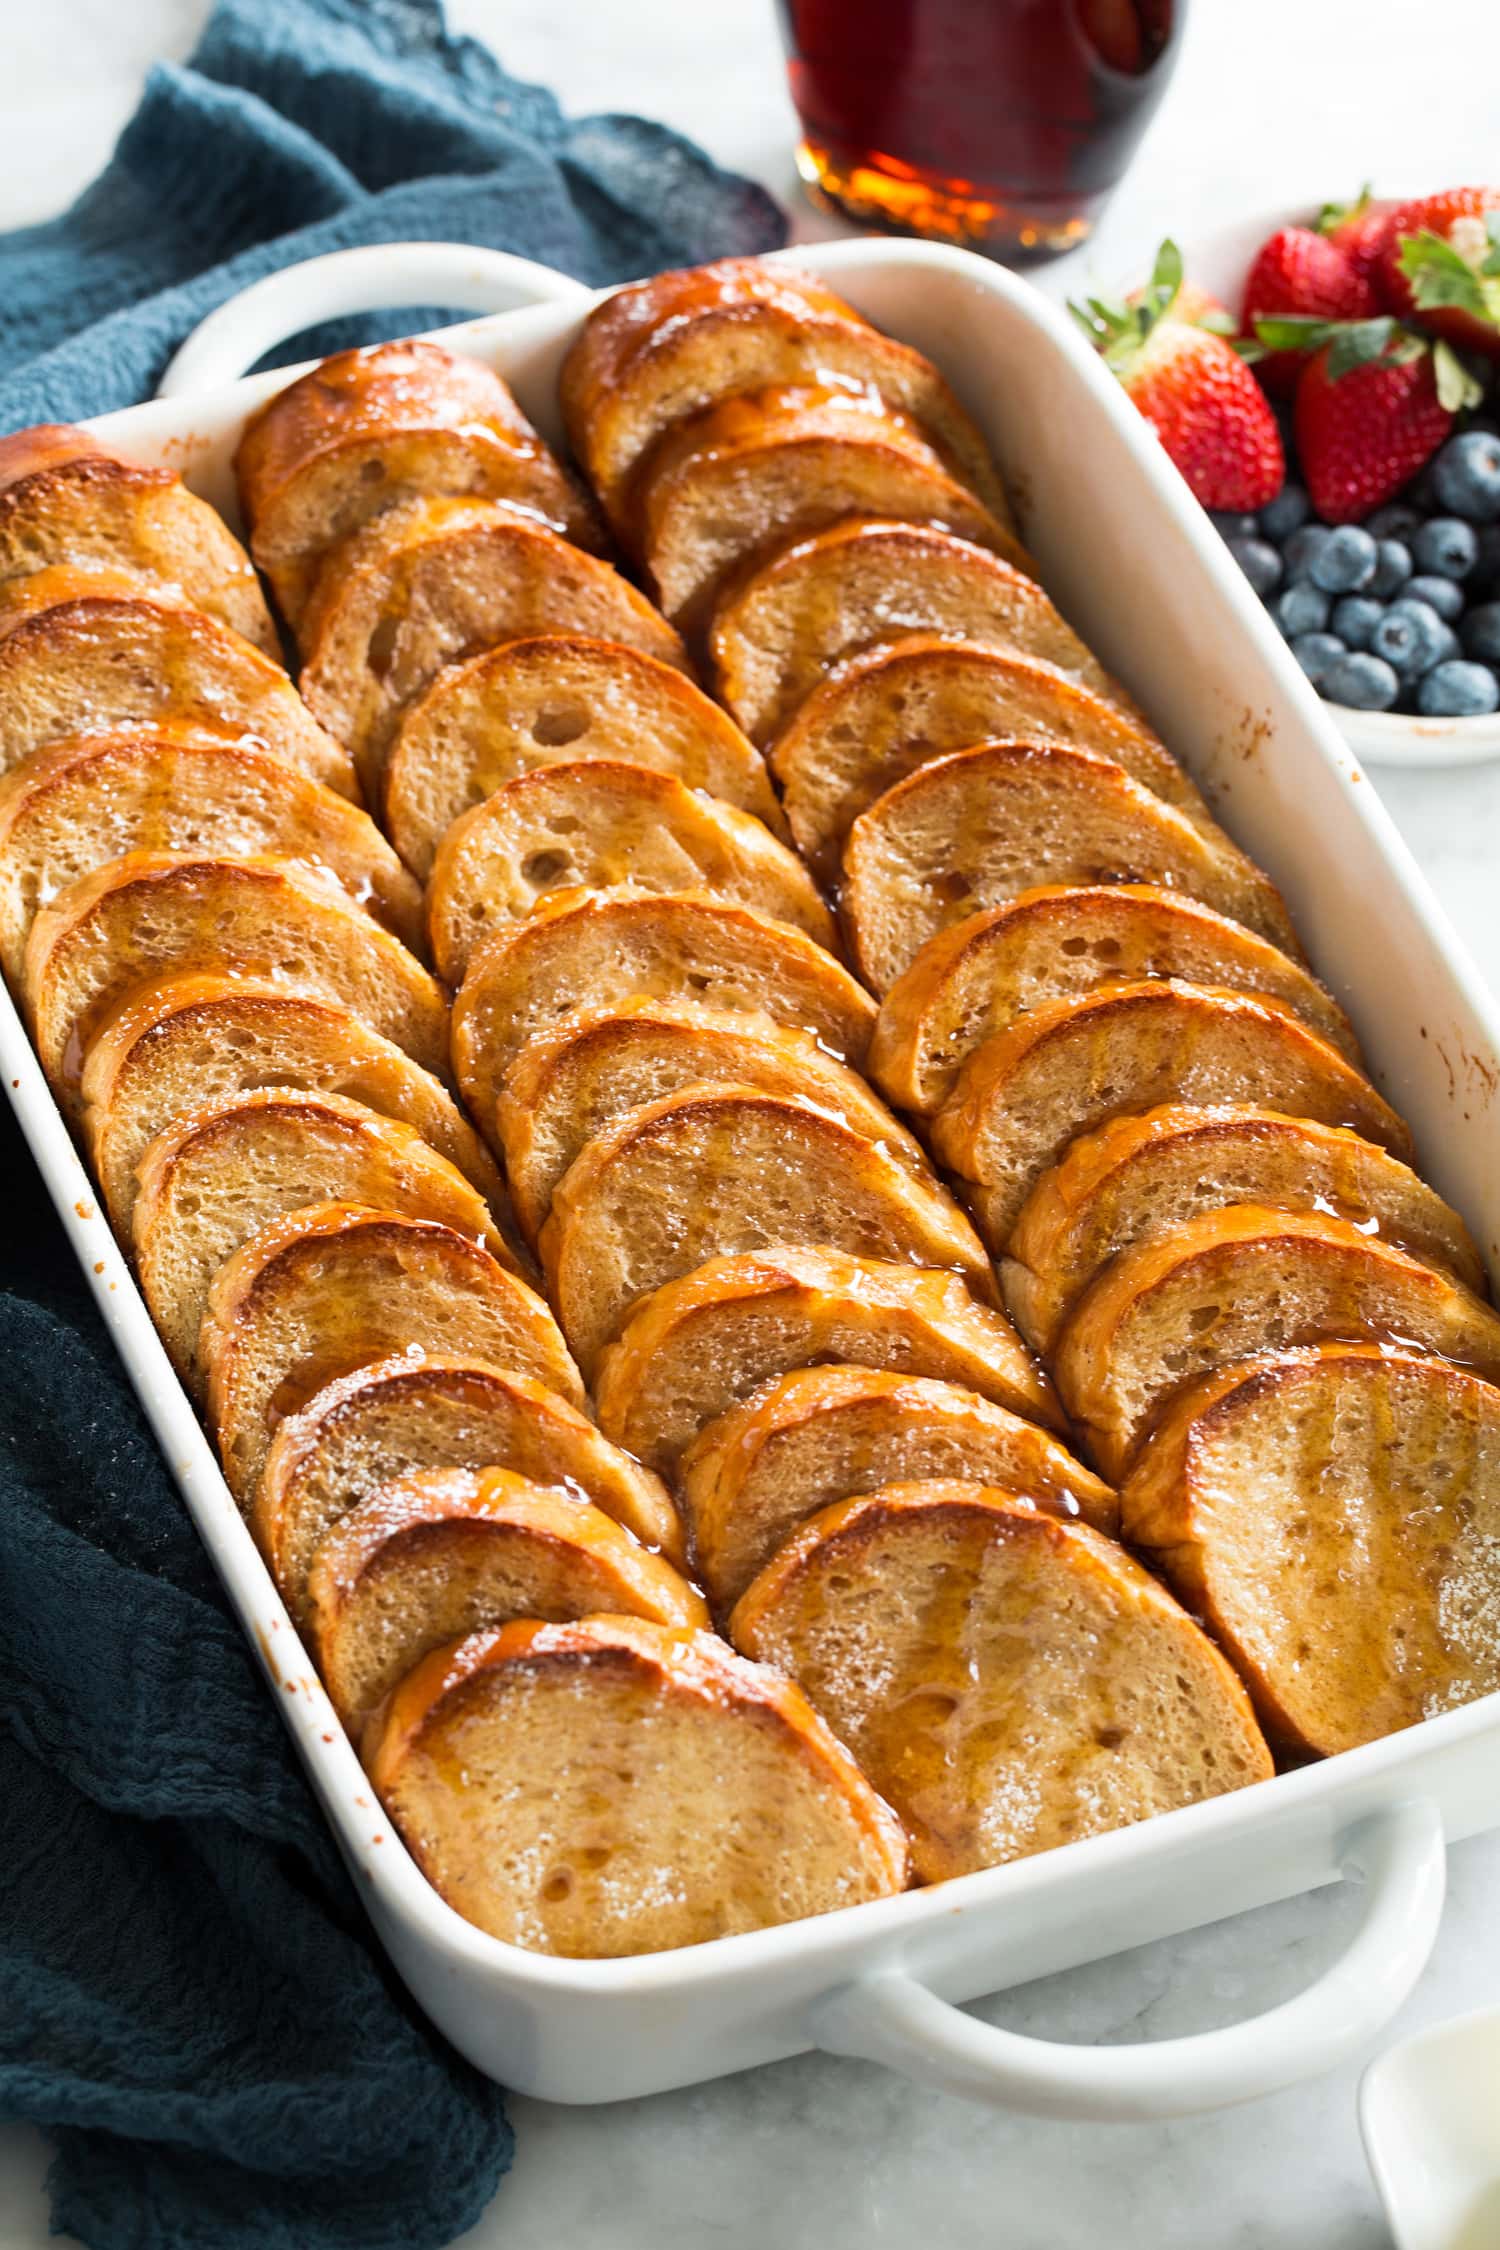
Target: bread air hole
(372, 472)
(382, 648)
(559, 723)
(544, 868)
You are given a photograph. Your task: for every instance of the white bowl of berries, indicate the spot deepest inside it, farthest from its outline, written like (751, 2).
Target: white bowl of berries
(1329, 384)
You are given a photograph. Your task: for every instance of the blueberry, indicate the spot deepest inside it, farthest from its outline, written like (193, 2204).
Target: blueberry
(1355, 619)
(1413, 638)
(1287, 513)
(1459, 691)
(1346, 560)
(1445, 547)
(1315, 652)
(1260, 563)
(1361, 683)
(1302, 549)
(1231, 526)
(1466, 476)
(1392, 568)
(1394, 521)
(1480, 633)
(1301, 609)
(1445, 595)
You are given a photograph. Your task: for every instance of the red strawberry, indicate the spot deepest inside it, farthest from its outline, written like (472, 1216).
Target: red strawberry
(1442, 266)
(1193, 387)
(1374, 403)
(1298, 272)
(1361, 229)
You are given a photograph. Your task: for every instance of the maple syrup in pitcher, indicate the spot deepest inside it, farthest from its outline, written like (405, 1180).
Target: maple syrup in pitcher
(1001, 125)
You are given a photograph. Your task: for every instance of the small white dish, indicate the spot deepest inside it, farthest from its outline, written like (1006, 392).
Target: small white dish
(1220, 262)
(1429, 2111)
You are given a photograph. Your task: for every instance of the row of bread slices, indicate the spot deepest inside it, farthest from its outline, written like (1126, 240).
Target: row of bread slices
(193, 922)
(720, 1204)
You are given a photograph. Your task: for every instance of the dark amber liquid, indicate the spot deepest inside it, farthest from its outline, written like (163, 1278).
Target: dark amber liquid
(1001, 124)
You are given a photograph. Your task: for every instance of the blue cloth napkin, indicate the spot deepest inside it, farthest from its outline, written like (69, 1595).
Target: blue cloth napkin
(191, 2000)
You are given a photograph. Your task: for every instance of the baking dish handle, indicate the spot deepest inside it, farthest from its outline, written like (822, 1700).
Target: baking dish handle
(891, 2018)
(373, 278)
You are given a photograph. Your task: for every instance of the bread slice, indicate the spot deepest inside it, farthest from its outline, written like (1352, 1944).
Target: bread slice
(553, 700)
(886, 712)
(724, 489)
(822, 1434)
(583, 952)
(1007, 1681)
(575, 1082)
(65, 498)
(1333, 1514)
(337, 1287)
(703, 1343)
(1227, 1285)
(979, 826)
(867, 582)
(384, 423)
(1140, 1177)
(154, 913)
(434, 580)
(435, 1412)
(169, 787)
(87, 651)
(181, 1042)
(596, 826)
(1057, 942)
(218, 1175)
(1068, 1067)
(442, 1552)
(712, 1170)
(615, 1787)
(680, 342)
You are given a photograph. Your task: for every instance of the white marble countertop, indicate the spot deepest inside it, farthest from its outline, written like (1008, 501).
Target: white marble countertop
(1281, 99)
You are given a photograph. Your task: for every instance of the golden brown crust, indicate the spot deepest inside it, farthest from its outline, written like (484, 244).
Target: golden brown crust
(973, 979)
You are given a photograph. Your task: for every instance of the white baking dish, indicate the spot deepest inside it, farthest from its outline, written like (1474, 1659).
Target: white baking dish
(1138, 568)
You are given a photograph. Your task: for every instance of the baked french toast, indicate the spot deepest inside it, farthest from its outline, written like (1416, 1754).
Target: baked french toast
(1070, 1066)
(603, 825)
(434, 580)
(701, 1344)
(90, 651)
(67, 499)
(711, 1170)
(977, 827)
(1331, 1513)
(1140, 1177)
(671, 346)
(499, 1760)
(1228, 1285)
(1057, 942)
(583, 952)
(91, 798)
(397, 1416)
(388, 422)
(824, 1434)
(867, 582)
(338, 1286)
(1009, 1682)
(881, 714)
(444, 1552)
(569, 1085)
(221, 1173)
(724, 489)
(181, 1042)
(550, 700)
(151, 914)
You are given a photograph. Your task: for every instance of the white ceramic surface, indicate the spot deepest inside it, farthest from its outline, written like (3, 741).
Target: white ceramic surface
(1430, 2114)
(876, 1981)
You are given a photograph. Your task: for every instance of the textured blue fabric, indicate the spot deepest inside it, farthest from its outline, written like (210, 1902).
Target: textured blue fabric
(191, 2000)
